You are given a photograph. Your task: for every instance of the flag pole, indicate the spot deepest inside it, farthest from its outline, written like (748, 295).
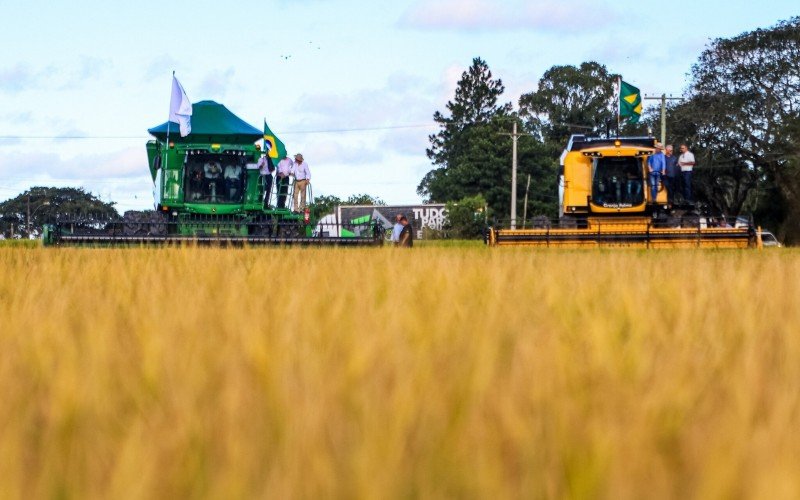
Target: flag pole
(166, 154)
(619, 97)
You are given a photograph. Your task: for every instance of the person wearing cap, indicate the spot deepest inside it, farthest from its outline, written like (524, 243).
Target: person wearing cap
(265, 169)
(282, 174)
(671, 173)
(656, 165)
(302, 176)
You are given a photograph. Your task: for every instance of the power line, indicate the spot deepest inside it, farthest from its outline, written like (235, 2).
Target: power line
(141, 137)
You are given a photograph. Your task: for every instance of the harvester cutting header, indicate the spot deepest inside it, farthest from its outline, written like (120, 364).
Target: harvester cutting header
(212, 183)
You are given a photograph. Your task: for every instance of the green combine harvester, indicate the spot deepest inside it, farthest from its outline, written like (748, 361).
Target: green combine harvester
(208, 190)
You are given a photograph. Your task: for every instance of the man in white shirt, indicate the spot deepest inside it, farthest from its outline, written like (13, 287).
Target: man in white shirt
(211, 172)
(265, 169)
(302, 176)
(233, 177)
(282, 180)
(686, 162)
(398, 227)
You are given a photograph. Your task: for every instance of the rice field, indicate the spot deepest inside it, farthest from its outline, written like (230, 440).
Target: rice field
(383, 373)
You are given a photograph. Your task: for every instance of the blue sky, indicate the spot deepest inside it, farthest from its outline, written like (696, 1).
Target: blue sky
(102, 70)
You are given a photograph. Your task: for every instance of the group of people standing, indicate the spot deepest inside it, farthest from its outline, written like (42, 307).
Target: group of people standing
(286, 168)
(402, 232)
(672, 171)
(212, 182)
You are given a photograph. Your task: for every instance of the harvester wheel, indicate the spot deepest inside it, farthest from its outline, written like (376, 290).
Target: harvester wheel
(568, 222)
(290, 230)
(138, 223)
(261, 227)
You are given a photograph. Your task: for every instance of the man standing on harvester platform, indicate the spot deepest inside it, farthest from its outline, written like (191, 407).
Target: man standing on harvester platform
(671, 174)
(686, 161)
(265, 168)
(302, 176)
(656, 166)
(282, 180)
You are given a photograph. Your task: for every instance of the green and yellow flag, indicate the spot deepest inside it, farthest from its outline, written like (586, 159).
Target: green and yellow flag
(272, 145)
(630, 102)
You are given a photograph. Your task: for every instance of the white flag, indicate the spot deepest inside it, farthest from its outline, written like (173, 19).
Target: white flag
(180, 108)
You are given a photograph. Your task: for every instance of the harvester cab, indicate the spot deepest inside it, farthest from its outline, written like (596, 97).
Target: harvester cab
(607, 176)
(605, 200)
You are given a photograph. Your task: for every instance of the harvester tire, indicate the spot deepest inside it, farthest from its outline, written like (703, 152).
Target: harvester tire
(140, 223)
(290, 230)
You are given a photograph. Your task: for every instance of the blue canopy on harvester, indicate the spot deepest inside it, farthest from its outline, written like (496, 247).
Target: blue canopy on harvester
(211, 122)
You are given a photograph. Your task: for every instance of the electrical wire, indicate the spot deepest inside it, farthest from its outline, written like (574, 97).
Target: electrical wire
(141, 137)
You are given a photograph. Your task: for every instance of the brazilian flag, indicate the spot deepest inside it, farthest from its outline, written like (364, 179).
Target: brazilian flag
(272, 145)
(630, 102)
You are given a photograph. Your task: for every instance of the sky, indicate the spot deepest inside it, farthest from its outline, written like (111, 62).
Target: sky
(351, 84)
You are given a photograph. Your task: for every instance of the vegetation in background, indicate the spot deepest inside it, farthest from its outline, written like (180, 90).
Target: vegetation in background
(44, 204)
(740, 118)
(472, 157)
(466, 218)
(436, 373)
(571, 100)
(326, 204)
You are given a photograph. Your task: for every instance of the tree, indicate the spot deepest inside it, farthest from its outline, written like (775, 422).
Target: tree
(742, 116)
(465, 217)
(46, 204)
(363, 199)
(472, 157)
(722, 180)
(570, 100)
(322, 206)
(472, 112)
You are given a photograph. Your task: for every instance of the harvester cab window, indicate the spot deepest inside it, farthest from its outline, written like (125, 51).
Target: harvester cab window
(214, 178)
(617, 181)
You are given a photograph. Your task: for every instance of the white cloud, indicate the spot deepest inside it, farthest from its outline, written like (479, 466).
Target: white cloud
(388, 119)
(20, 77)
(487, 15)
(127, 163)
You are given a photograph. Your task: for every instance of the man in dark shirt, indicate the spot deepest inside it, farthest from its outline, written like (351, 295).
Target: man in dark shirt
(672, 174)
(406, 234)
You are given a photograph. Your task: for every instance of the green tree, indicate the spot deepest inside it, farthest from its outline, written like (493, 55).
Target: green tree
(322, 206)
(741, 119)
(363, 199)
(571, 100)
(472, 157)
(46, 204)
(465, 217)
(471, 114)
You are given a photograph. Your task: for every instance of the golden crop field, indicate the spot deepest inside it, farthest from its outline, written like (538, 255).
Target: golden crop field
(382, 373)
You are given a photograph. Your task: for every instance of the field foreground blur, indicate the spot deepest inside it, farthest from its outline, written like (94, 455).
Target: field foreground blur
(436, 372)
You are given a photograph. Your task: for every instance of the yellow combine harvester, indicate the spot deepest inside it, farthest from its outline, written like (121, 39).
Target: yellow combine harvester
(605, 201)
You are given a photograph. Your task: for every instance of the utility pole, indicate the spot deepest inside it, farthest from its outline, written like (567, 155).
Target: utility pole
(28, 219)
(525, 205)
(514, 137)
(663, 98)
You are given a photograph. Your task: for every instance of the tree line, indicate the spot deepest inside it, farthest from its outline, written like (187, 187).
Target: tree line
(740, 116)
